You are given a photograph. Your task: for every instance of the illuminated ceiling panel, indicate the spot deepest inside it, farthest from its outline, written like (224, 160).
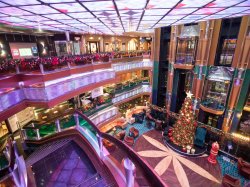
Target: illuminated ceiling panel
(115, 16)
(193, 3)
(130, 13)
(40, 9)
(151, 17)
(104, 14)
(156, 12)
(130, 4)
(14, 11)
(50, 22)
(3, 15)
(70, 7)
(246, 3)
(233, 10)
(2, 4)
(81, 15)
(57, 16)
(182, 11)
(173, 17)
(208, 11)
(57, 1)
(162, 4)
(68, 21)
(21, 2)
(35, 18)
(13, 19)
(99, 5)
(224, 3)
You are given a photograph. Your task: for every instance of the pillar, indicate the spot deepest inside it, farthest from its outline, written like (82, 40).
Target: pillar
(157, 40)
(129, 172)
(76, 117)
(83, 47)
(24, 134)
(58, 127)
(99, 139)
(237, 82)
(6, 154)
(38, 137)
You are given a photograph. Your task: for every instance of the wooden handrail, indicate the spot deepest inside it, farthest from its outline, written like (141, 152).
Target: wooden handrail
(150, 173)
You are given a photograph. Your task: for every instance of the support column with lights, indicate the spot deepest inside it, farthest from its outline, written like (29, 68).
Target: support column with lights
(157, 37)
(206, 34)
(160, 66)
(172, 52)
(240, 61)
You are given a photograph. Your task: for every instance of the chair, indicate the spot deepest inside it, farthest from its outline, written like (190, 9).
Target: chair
(244, 168)
(229, 181)
(120, 135)
(129, 140)
(133, 132)
(200, 135)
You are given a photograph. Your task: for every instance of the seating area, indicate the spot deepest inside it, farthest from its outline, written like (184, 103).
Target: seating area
(244, 168)
(230, 167)
(229, 181)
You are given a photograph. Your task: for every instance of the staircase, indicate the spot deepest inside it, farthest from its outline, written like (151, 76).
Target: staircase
(40, 153)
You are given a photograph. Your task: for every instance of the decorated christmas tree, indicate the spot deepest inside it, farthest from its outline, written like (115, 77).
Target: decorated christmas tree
(184, 129)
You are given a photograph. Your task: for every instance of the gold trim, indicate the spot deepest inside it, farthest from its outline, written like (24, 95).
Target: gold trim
(183, 66)
(209, 110)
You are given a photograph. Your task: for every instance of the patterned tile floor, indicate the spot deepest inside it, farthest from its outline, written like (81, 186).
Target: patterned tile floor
(174, 169)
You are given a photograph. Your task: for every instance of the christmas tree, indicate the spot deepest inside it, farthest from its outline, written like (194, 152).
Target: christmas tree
(184, 129)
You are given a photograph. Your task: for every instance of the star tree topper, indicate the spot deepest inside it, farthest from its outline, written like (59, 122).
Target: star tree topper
(189, 94)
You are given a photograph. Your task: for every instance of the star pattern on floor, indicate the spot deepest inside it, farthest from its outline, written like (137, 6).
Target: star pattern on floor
(169, 156)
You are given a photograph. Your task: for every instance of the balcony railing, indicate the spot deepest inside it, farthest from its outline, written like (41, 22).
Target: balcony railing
(53, 89)
(96, 139)
(131, 93)
(11, 98)
(46, 65)
(132, 65)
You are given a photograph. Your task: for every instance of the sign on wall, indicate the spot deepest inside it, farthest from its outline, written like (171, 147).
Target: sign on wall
(97, 92)
(21, 118)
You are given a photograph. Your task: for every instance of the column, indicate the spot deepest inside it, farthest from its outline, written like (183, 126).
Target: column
(157, 41)
(58, 127)
(24, 134)
(76, 116)
(129, 172)
(83, 46)
(6, 154)
(99, 139)
(232, 101)
(38, 137)
(172, 52)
